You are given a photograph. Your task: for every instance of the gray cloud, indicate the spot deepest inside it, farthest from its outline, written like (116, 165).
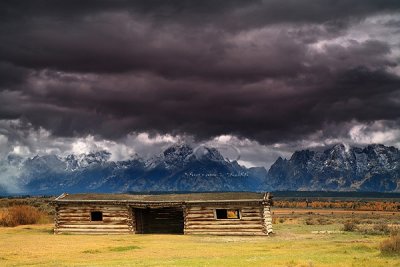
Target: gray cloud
(268, 71)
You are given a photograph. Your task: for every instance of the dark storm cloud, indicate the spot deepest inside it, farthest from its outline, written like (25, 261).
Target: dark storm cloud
(251, 12)
(11, 75)
(266, 70)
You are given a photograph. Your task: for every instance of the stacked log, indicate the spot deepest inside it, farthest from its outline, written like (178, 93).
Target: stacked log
(76, 218)
(202, 220)
(267, 219)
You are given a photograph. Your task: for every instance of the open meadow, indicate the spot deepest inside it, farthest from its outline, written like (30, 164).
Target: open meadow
(302, 238)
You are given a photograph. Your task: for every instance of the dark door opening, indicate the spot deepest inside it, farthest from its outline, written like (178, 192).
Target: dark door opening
(159, 221)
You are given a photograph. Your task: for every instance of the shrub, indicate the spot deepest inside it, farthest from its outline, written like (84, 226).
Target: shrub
(317, 221)
(309, 221)
(323, 221)
(382, 228)
(376, 229)
(22, 214)
(349, 226)
(391, 246)
(395, 230)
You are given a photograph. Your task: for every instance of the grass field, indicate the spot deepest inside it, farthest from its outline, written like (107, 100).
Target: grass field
(293, 244)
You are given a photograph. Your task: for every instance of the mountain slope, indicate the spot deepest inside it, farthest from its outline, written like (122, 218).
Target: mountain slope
(373, 168)
(177, 168)
(180, 168)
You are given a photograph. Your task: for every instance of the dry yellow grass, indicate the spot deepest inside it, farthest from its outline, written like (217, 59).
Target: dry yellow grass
(292, 245)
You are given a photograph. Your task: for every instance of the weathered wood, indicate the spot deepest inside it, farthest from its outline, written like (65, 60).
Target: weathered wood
(250, 214)
(234, 226)
(267, 219)
(259, 233)
(206, 215)
(200, 208)
(87, 215)
(213, 219)
(92, 233)
(218, 222)
(112, 209)
(77, 218)
(83, 226)
(92, 230)
(125, 222)
(199, 218)
(105, 232)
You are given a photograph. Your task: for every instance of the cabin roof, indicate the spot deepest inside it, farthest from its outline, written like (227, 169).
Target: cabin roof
(192, 197)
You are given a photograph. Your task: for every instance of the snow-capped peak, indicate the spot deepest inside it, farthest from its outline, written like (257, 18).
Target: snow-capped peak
(84, 160)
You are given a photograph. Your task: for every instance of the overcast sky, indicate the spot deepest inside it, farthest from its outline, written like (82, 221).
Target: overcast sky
(266, 77)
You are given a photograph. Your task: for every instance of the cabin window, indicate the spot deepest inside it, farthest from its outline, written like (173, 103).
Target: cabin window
(96, 216)
(227, 214)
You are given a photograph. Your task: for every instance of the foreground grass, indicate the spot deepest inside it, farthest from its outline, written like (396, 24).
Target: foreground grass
(292, 245)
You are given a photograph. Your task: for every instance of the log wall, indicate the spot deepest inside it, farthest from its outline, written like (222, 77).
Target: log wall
(255, 220)
(76, 218)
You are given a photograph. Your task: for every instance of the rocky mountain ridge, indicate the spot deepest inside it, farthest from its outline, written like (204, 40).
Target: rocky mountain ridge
(182, 168)
(373, 168)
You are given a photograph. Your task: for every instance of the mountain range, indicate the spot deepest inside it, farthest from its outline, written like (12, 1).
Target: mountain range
(181, 168)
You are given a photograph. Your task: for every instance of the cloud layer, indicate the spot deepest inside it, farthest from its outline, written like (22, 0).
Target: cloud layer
(275, 73)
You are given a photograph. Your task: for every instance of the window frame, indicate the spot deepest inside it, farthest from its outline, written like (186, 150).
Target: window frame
(98, 213)
(229, 219)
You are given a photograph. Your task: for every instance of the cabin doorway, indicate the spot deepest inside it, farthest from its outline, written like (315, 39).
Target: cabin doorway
(159, 220)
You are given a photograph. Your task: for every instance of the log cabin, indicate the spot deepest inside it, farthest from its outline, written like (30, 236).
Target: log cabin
(236, 213)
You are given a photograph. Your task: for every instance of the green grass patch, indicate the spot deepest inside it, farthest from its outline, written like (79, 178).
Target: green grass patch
(363, 248)
(91, 251)
(125, 248)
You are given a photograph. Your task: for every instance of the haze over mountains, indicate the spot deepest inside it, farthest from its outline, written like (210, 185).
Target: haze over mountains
(181, 168)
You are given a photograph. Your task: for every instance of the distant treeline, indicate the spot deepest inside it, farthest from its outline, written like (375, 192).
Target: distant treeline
(371, 201)
(338, 204)
(327, 195)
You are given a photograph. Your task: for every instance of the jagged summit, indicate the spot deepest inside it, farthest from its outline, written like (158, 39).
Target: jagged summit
(373, 168)
(85, 160)
(181, 167)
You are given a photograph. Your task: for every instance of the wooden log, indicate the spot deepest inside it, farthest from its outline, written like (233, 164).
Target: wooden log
(200, 212)
(206, 219)
(251, 210)
(218, 222)
(95, 233)
(105, 214)
(250, 214)
(253, 230)
(226, 233)
(92, 230)
(87, 219)
(94, 224)
(196, 216)
(200, 208)
(88, 226)
(94, 208)
(73, 216)
(244, 227)
(88, 208)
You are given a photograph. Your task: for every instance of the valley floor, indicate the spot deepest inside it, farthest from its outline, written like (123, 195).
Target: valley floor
(293, 244)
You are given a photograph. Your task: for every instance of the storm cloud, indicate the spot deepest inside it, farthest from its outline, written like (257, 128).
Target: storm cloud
(270, 72)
